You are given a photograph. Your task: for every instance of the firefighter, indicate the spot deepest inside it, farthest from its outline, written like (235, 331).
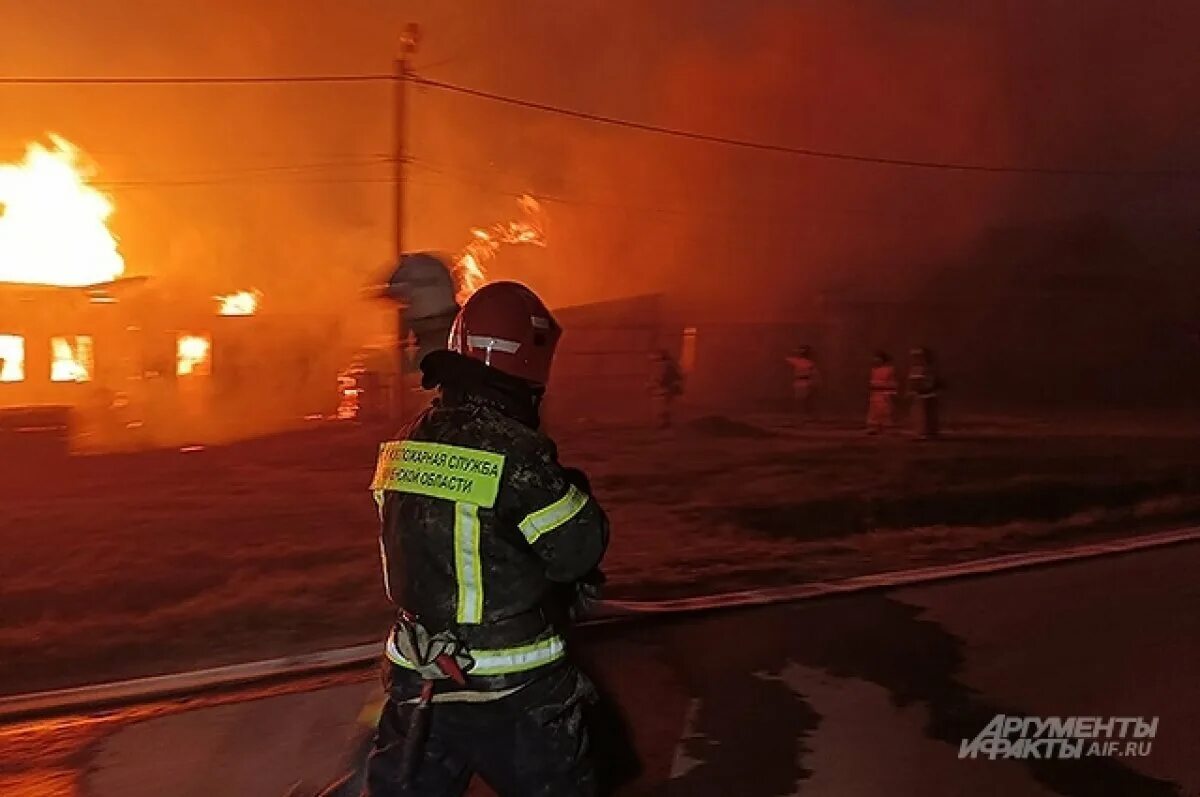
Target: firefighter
(666, 385)
(482, 531)
(424, 287)
(923, 388)
(881, 407)
(806, 378)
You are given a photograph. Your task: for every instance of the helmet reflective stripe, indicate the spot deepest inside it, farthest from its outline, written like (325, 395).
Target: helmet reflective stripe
(493, 344)
(468, 569)
(498, 661)
(489, 344)
(552, 517)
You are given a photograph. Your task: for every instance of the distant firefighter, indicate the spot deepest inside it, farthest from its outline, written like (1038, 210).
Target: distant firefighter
(923, 388)
(806, 380)
(666, 385)
(424, 287)
(881, 408)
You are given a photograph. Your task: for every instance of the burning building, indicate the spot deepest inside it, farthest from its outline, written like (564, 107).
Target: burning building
(126, 365)
(107, 360)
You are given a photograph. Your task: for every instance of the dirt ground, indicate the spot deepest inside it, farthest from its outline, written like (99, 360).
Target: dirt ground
(125, 565)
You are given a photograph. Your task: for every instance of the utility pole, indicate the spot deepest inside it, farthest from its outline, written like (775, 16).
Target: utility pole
(403, 67)
(408, 46)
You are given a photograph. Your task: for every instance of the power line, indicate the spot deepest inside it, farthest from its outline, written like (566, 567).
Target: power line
(187, 80)
(749, 144)
(797, 151)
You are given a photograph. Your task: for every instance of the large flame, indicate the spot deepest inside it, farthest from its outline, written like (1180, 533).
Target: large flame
(469, 268)
(53, 227)
(240, 303)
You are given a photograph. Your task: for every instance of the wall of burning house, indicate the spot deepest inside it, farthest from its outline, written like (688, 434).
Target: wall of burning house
(137, 367)
(48, 364)
(48, 341)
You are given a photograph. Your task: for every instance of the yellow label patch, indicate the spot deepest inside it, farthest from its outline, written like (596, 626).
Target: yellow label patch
(439, 471)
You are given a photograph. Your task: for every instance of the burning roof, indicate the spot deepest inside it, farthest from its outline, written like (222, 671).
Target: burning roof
(239, 303)
(54, 224)
(469, 268)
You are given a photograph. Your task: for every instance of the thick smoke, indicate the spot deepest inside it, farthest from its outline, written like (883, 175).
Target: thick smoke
(285, 187)
(288, 183)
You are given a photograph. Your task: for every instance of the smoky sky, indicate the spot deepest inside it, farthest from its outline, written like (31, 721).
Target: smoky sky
(286, 186)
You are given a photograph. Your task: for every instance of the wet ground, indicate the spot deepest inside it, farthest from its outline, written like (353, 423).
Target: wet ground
(861, 695)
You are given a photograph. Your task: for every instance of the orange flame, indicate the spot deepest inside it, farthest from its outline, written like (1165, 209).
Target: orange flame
(192, 355)
(240, 303)
(349, 393)
(53, 225)
(469, 268)
(71, 359)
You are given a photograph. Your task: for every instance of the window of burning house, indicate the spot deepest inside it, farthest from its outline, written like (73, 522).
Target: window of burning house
(12, 358)
(193, 355)
(71, 358)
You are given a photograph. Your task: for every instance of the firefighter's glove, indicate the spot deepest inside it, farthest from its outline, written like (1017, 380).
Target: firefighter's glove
(588, 591)
(422, 649)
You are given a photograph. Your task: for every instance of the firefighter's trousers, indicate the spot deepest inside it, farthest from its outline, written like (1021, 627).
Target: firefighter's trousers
(529, 744)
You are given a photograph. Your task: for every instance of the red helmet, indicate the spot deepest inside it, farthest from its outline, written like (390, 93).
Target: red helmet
(506, 326)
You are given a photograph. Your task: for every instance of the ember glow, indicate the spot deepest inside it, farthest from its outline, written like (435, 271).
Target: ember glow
(12, 358)
(348, 394)
(469, 268)
(71, 359)
(193, 355)
(240, 303)
(53, 224)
